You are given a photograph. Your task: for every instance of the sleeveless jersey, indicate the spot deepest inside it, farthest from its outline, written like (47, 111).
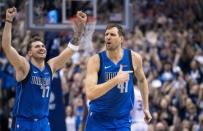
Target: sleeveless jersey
(118, 101)
(32, 94)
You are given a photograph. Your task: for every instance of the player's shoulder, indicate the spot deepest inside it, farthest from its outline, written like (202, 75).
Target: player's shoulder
(94, 58)
(136, 55)
(94, 62)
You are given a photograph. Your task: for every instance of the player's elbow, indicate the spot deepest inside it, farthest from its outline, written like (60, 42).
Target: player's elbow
(90, 95)
(142, 80)
(89, 90)
(5, 48)
(4, 45)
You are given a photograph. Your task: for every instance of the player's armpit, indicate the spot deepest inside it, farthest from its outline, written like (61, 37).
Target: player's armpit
(137, 65)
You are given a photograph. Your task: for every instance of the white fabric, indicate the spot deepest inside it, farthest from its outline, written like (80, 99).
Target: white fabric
(137, 114)
(73, 47)
(139, 126)
(71, 123)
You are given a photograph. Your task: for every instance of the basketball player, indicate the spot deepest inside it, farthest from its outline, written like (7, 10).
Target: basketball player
(34, 76)
(138, 123)
(109, 84)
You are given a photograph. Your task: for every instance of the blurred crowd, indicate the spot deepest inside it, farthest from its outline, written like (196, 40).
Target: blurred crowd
(169, 36)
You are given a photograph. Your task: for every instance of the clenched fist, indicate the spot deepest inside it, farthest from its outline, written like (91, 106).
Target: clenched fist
(79, 23)
(11, 13)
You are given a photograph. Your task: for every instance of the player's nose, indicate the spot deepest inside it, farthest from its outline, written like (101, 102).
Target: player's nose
(108, 37)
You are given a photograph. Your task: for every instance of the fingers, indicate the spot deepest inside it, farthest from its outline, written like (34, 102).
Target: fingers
(121, 68)
(147, 118)
(82, 16)
(11, 10)
(10, 14)
(14, 9)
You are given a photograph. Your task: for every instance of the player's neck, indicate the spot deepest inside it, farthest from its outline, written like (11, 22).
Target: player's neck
(38, 63)
(115, 55)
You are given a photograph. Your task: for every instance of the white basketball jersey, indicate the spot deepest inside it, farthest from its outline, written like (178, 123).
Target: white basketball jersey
(137, 113)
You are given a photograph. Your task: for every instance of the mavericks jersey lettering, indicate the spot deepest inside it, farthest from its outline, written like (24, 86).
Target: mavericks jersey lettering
(120, 99)
(32, 94)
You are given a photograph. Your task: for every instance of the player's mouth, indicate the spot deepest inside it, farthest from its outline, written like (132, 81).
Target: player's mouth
(108, 43)
(41, 52)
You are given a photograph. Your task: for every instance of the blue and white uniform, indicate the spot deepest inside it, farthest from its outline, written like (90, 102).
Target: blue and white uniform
(32, 100)
(112, 110)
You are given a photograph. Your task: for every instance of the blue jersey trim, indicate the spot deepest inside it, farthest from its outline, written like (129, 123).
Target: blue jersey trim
(101, 63)
(49, 68)
(131, 64)
(28, 75)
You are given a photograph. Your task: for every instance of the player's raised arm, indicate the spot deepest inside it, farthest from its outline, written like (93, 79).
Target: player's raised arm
(59, 61)
(20, 63)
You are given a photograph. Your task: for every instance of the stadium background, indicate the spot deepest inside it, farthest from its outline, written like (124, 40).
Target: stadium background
(167, 33)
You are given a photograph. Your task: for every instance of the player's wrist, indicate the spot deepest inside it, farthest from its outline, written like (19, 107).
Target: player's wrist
(116, 80)
(73, 47)
(80, 31)
(76, 39)
(9, 21)
(146, 109)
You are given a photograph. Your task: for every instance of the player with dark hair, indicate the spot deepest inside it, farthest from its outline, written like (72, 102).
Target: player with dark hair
(109, 84)
(34, 76)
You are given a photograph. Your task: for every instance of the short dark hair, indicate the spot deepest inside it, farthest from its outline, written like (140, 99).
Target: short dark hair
(120, 28)
(34, 37)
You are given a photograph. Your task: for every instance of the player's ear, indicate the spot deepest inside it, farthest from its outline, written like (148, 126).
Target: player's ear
(122, 39)
(29, 53)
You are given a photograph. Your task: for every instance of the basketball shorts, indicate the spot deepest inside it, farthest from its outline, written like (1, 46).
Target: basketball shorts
(98, 122)
(24, 124)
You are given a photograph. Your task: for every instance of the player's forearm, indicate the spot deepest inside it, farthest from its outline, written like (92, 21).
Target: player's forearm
(72, 47)
(101, 89)
(6, 37)
(76, 38)
(145, 93)
(75, 41)
(59, 61)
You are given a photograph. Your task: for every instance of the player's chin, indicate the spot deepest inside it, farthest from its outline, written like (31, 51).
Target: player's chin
(109, 47)
(42, 56)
